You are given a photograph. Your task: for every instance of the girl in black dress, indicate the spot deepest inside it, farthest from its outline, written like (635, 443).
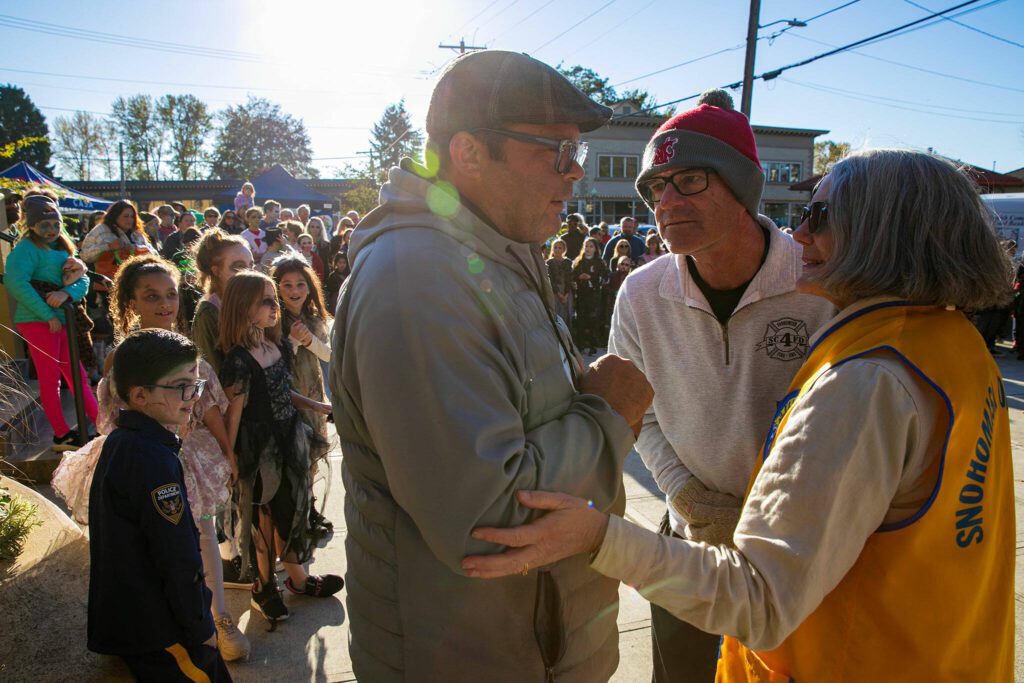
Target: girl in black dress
(588, 272)
(271, 442)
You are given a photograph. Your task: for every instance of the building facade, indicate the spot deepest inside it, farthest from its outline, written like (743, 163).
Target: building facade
(607, 192)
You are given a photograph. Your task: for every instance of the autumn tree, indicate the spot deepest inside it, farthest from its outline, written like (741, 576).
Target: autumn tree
(394, 137)
(83, 142)
(827, 154)
(139, 128)
(187, 123)
(254, 135)
(20, 119)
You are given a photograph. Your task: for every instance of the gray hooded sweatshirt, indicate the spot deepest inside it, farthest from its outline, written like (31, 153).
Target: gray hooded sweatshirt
(451, 391)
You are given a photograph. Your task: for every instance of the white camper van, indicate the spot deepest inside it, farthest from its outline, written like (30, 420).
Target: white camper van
(1009, 211)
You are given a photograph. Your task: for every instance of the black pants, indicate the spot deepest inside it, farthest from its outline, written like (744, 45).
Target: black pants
(681, 652)
(201, 663)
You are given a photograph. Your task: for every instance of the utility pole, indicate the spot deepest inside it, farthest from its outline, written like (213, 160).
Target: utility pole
(120, 154)
(748, 65)
(461, 47)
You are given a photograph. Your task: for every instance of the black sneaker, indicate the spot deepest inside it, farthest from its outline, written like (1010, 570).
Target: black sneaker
(317, 586)
(319, 523)
(233, 576)
(68, 442)
(267, 601)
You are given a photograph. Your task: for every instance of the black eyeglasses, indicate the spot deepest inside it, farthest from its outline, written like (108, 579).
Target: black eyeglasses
(567, 151)
(188, 391)
(687, 182)
(816, 216)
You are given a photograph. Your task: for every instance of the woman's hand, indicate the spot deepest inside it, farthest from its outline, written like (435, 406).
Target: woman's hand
(54, 324)
(572, 527)
(55, 299)
(324, 408)
(584, 277)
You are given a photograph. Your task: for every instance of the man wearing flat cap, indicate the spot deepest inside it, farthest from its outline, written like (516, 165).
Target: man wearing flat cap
(455, 386)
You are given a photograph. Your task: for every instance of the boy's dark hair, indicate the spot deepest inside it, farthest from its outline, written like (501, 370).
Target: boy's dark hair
(147, 355)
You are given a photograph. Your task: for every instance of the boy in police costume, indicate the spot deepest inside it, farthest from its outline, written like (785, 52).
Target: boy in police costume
(148, 602)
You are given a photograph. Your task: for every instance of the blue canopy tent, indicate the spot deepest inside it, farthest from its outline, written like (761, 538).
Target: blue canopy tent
(278, 184)
(69, 200)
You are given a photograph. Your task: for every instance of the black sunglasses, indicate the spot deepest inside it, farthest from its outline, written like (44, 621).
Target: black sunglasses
(816, 216)
(567, 151)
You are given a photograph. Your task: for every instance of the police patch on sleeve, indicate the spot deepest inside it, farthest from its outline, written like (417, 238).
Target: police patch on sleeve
(169, 502)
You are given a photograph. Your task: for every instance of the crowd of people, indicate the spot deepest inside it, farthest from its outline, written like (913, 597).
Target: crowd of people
(250, 429)
(825, 423)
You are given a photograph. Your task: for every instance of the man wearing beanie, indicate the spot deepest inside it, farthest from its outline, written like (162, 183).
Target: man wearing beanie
(455, 386)
(719, 331)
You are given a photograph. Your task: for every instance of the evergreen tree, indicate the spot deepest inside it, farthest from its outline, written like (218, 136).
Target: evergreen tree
(21, 119)
(393, 137)
(257, 134)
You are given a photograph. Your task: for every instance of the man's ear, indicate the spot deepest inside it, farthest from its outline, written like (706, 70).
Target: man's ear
(138, 395)
(467, 153)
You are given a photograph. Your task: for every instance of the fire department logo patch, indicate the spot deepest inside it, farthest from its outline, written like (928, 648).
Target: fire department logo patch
(785, 339)
(665, 151)
(169, 502)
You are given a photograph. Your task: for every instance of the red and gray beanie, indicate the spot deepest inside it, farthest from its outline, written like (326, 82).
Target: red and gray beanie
(712, 135)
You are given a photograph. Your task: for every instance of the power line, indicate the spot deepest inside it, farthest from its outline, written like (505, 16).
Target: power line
(614, 27)
(125, 41)
(515, 25)
(680, 64)
(964, 79)
(775, 73)
(873, 99)
(736, 47)
(176, 84)
(936, 21)
(475, 17)
(804, 22)
(969, 27)
(599, 9)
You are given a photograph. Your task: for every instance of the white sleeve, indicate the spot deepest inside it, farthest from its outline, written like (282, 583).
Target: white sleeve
(657, 453)
(825, 488)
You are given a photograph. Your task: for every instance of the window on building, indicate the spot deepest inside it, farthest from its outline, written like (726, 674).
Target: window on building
(786, 172)
(617, 166)
(783, 214)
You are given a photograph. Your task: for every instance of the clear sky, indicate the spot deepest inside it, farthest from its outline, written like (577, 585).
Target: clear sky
(337, 64)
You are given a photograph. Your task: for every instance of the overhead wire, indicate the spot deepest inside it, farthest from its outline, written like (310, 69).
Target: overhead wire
(518, 23)
(921, 69)
(874, 99)
(969, 27)
(578, 23)
(933, 20)
(615, 27)
(126, 41)
(778, 33)
(775, 73)
(739, 46)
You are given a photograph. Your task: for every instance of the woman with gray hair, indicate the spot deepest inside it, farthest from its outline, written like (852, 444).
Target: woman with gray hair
(877, 538)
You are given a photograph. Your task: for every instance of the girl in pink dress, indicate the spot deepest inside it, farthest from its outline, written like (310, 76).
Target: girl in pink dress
(145, 295)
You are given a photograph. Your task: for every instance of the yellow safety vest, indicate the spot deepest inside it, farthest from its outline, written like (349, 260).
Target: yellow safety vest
(930, 598)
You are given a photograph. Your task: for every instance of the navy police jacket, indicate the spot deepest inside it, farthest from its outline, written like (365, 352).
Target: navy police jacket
(146, 587)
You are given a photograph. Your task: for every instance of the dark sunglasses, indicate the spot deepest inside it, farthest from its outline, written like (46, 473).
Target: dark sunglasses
(815, 215)
(567, 151)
